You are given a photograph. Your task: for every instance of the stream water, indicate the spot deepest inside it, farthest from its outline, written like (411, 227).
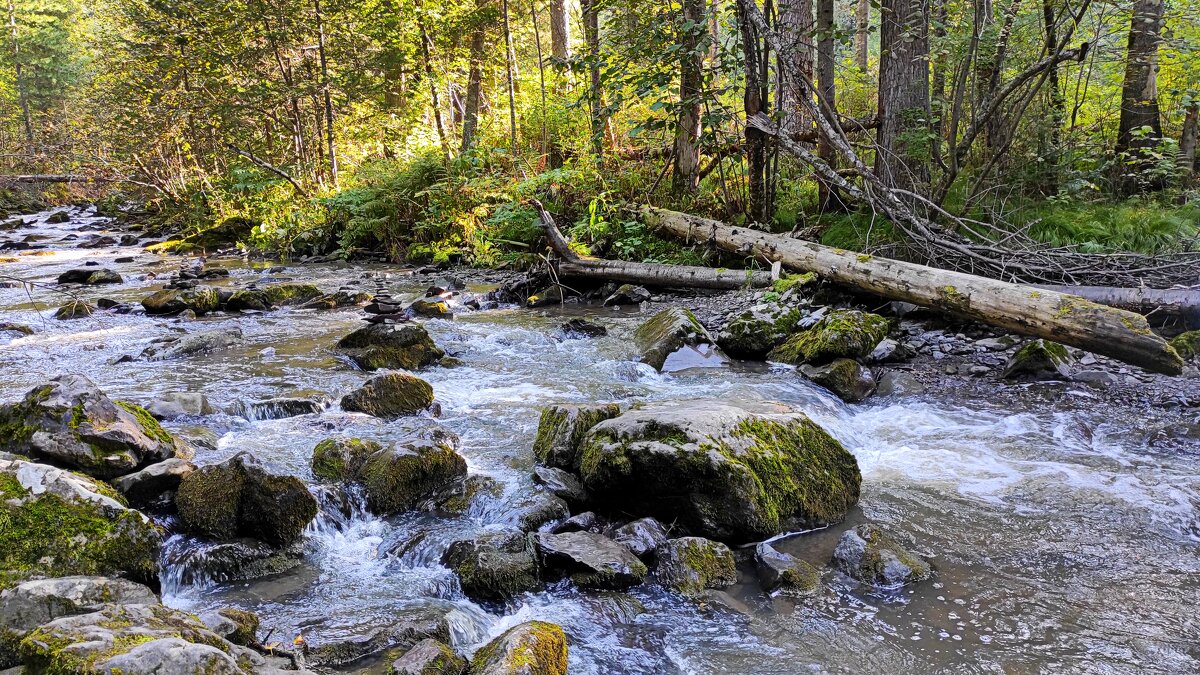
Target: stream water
(1060, 542)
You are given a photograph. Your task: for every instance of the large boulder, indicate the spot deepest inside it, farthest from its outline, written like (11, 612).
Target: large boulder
(70, 422)
(494, 565)
(1040, 360)
(756, 331)
(28, 605)
(590, 560)
(729, 472)
(848, 379)
(676, 332)
(390, 396)
(843, 333)
(239, 498)
(530, 648)
(60, 523)
(429, 657)
(395, 477)
(562, 427)
(689, 565)
(201, 300)
(380, 346)
(871, 556)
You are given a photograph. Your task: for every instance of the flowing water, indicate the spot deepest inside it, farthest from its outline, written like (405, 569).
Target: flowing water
(1061, 542)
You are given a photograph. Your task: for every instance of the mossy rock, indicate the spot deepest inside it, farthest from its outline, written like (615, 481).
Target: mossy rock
(201, 300)
(75, 309)
(429, 657)
(390, 396)
(248, 299)
(785, 573)
(843, 333)
(729, 472)
(397, 477)
(287, 295)
(690, 565)
(530, 648)
(432, 308)
(380, 346)
(1040, 360)
(494, 565)
(871, 556)
(667, 332)
(561, 429)
(239, 498)
(1187, 345)
(342, 459)
(57, 523)
(758, 330)
(848, 379)
(235, 625)
(71, 422)
(226, 233)
(89, 276)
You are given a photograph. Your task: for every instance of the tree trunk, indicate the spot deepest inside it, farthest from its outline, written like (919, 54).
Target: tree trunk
(862, 34)
(560, 31)
(333, 163)
(693, 39)
(827, 197)
(1063, 318)
(512, 85)
(904, 151)
(427, 62)
(795, 28)
(1174, 304)
(1187, 139)
(1058, 104)
(474, 90)
(1139, 94)
(19, 81)
(756, 140)
(591, 35)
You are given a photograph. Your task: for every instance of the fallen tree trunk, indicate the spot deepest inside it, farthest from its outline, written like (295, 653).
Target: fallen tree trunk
(1171, 303)
(574, 266)
(1063, 318)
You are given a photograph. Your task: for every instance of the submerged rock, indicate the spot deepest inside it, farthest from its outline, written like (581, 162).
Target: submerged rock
(779, 571)
(390, 396)
(562, 427)
(1040, 360)
(530, 648)
(720, 470)
(494, 565)
(689, 565)
(899, 383)
(236, 560)
(843, 333)
(871, 556)
(534, 510)
(60, 523)
(380, 346)
(642, 536)
(671, 331)
(848, 379)
(430, 657)
(180, 404)
(71, 422)
(239, 498)
(590, 560)
(582, 328)
(395, 477)
(193, 344)
(276, 408)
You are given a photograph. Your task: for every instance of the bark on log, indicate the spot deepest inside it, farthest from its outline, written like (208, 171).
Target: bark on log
(1177, 303)
(1025, 310)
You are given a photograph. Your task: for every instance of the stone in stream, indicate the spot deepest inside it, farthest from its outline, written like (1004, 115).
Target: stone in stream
(71, 422)
(561, 428)
(430, 307)
(1040, 360)
(99, 241)
(28, 605)
(758, 330)
(729, 472)
(289, 294)
(899, 383)
(868, 554)
(429, 657)
(180, 404)
(531, 511)
(580, 522)
(494, 565)
(413, 626)
(779, 571)
(204, 562)
(154, 481)
(551, 295)
(848, 379)
(239, 498)
(277, 408)
(582, 328)
(561, 484)
(395, 477)
(58, 218)
(60, 523)
(390, 396)
(379, 346)
(674, 339)
(89, 277)
(75, 309)
(201, 300)
(467, 495)
(627, 294)
(690, 565)
(192, 344)
(235, 625)
(339, 298)
(15, 329)
(590, 560)
(842, 333)
(642, 536)
(248, 299)
(530, 648)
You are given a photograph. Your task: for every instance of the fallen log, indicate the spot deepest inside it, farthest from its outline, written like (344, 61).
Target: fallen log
(1063, 318)
(573, 266)
(1182, 304)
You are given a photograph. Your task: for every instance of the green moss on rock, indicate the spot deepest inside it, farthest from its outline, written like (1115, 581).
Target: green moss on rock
(531, 648)
(380, 346)
(284, 295)
(75, 309)
(494, 565)
(396, 478)
(561, 429)
(1187, 345)
(390, 396)
(844, 333)
(341, 459)
(690, 565)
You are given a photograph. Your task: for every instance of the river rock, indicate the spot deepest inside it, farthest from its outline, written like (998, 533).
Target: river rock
(755, 332)
(75, 309)
(843, 333)
(413, 626)
(671, 332)
(276, 408)
(238, 497)
(429, 657)
(871, 556)
(779, 571)
(379, 346)
(591, 560)
(627, 294)
(395, 477)
(59, 523)
(848, 379)
(1187, 345)
(71, 422)
(580, 522)
(582, 328)
(88, 276)
(202, 562)
(28, 605)
(562, 427)
(180, 404)
(530, 648)
(390, 396)
(642, 536)
(154, 481)
(689, 565)
(235, 625)
(565, 486)
(434, 308)
(494, 565)
(1040, 360)
(58, 218)
(725, 471)
(550, 295)
(193, 344)
(899, 383)
(533, 510)
(201, 300)
(248, 299)
(14, 329)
